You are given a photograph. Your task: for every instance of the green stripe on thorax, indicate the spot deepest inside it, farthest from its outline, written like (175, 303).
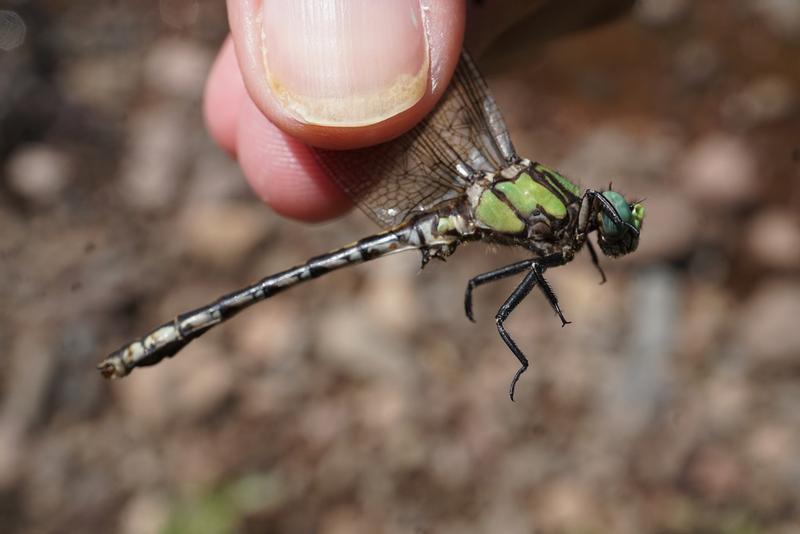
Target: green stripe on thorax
(556, 179)
(497, 215)
(527, 195)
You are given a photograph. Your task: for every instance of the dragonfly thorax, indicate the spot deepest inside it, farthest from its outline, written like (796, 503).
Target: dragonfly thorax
(529, 204)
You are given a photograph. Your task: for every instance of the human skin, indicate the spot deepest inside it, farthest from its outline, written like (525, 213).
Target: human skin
(249, 118)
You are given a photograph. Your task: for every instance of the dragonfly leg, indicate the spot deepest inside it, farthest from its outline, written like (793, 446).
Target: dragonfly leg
(426, 257)
(596, 261)
(519, 294)
(533, 278)
(491, 276)
(548, 293)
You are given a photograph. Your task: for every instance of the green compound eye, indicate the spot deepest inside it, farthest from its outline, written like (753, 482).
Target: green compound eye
(610, 228)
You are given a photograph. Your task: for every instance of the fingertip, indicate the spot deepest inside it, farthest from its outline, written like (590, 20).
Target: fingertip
(344, 127)
(283, 172)
(223, 97)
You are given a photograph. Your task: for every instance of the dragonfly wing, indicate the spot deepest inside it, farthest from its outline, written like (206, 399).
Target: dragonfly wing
(434, 161)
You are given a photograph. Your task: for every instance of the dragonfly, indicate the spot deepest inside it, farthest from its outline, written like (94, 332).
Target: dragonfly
(452, 179)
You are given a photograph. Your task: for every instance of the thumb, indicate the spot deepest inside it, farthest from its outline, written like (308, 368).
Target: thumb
(346, 73)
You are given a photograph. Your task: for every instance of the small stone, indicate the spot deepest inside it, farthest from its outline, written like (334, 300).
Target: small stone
(726, 396)
(716, 474)
(322, 423)
(207, 384)
(390, 294)
(765, 100)
(223, 233)
(451, 464)
(39, 172)
(696, 62)
(773, 238)
(103, 81)
(269, 333)
(782, 17)
(768, 332)
(568, 506)
(146, 513)
(772, 446)
(12, 30)
(151, 171)
(707, 312)
(720, 170)
(355, 344)
(178, 67)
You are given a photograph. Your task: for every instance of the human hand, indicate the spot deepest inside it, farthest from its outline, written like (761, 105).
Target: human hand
(305, 76)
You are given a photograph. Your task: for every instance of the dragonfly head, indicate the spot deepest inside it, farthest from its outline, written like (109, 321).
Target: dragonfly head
(619, 239)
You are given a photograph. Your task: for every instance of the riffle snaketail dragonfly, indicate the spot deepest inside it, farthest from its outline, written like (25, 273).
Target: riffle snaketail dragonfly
(452, 179)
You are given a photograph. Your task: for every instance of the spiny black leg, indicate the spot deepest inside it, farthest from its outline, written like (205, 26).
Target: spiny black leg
(548, 293)
(595, 261)
(491, 276)
(505, 310)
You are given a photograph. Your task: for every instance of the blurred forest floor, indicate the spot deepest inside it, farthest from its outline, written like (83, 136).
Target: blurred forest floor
(365, 402)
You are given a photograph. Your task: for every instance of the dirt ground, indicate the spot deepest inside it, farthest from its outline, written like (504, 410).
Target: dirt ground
(365, 402)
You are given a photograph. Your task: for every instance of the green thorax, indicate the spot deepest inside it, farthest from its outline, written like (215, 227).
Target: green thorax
(536, 191)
